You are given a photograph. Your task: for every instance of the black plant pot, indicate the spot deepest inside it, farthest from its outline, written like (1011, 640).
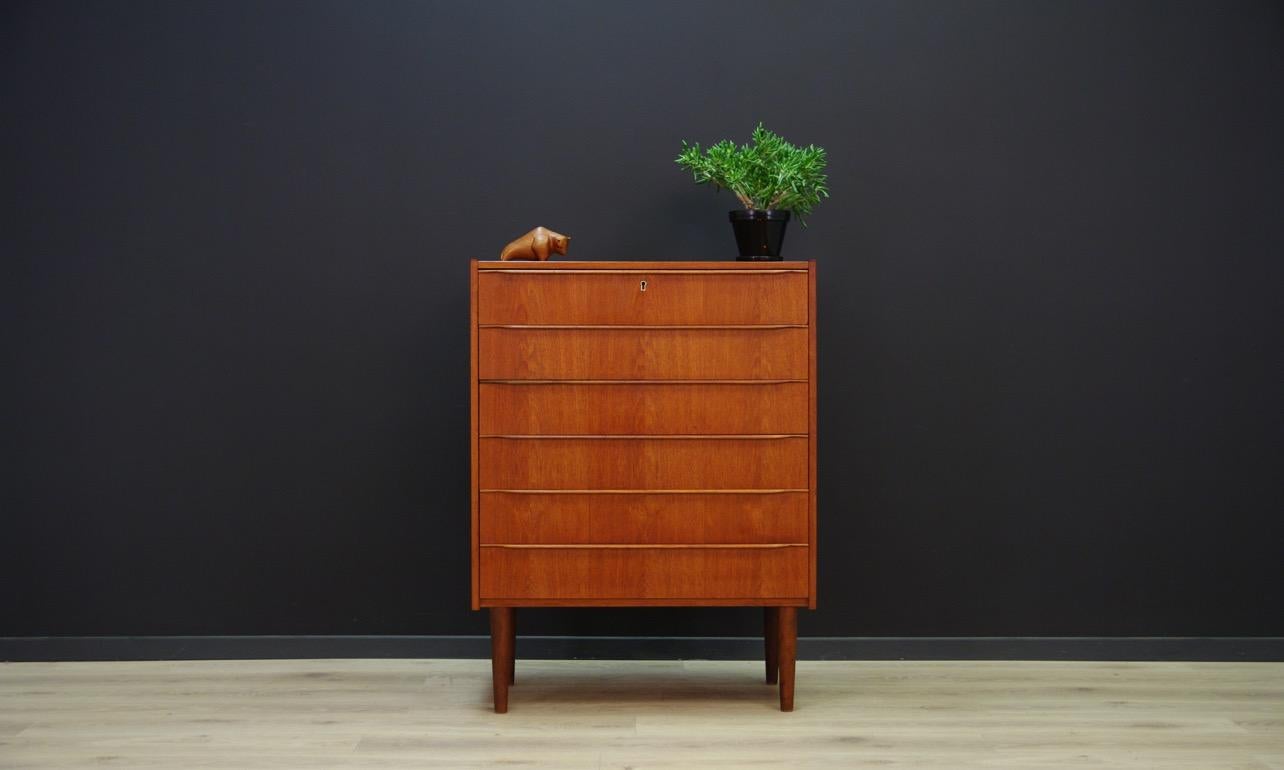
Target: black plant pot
(759, 233)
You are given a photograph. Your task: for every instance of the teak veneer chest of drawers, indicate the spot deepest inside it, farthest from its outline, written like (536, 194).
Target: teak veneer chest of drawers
(644, 434)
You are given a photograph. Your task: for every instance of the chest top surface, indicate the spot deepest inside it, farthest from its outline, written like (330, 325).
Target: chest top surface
(654, 264)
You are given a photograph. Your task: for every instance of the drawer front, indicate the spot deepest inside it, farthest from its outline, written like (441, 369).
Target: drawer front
(643, 573)
(557, 518)
(643, 463)
(647, 354)
(529, 297)
(614, 408)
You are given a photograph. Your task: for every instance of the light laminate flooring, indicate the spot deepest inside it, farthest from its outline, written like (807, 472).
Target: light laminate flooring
(640, 714)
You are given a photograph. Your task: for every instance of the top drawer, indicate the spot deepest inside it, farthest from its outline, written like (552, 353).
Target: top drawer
(707, 298)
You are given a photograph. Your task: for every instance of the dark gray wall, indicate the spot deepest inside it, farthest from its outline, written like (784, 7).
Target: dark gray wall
(235, 242)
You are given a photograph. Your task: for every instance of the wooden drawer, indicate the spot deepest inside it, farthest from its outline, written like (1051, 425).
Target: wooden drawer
(615, 297)
(508, 517)
(643, 463)
(747, 572)
(565, 408)
(648, 354)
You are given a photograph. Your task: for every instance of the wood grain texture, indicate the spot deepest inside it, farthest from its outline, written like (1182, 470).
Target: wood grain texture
(659, 715)
(606, 573)
(645, 266)
(502, 636)
(813, 429)
(585, 354)
(619, 298)
(537, 244)
(640, 463)
(559, 408)
(645, 434)
(649, 381)
(786, 654)
(644, 491)
(752, 601)
(643, 518)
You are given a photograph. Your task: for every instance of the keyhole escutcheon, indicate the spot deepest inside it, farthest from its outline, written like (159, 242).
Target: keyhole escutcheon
(642, 286)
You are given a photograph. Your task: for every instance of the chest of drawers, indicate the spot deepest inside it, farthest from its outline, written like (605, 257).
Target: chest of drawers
(644, 434)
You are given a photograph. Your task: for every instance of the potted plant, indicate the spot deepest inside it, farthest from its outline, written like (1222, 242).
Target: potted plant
(770, 176)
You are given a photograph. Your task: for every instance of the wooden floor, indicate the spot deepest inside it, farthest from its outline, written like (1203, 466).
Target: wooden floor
(663, 714)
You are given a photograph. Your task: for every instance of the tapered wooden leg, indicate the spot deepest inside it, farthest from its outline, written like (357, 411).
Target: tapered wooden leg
(501, 654)
(788, 652)
(512, 646)
(771, 641)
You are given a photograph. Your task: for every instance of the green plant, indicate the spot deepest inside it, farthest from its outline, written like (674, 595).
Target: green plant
(768, 173)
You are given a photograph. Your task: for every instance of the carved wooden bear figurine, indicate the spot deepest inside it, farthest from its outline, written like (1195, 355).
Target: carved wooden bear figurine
(537, 244)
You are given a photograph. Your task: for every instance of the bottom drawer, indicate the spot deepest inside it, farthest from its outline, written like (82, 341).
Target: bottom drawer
(581, 519)
(681, 572)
